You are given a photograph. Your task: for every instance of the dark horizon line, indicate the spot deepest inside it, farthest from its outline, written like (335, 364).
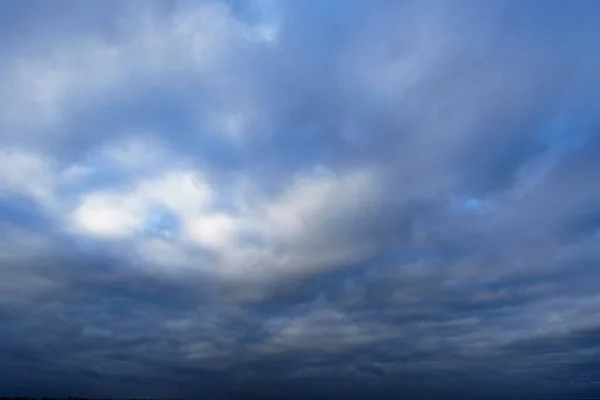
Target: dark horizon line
(81, 398)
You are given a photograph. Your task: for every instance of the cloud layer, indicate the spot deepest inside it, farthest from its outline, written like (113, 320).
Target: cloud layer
(278, 199)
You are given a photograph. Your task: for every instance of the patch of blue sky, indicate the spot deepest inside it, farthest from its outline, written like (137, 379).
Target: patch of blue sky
(470, 205)
(474, 204)
(161, 222)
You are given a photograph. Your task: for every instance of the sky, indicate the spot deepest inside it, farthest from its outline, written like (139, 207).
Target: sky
(262, 199)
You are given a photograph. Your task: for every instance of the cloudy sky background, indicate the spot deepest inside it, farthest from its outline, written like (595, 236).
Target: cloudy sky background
(289, 198)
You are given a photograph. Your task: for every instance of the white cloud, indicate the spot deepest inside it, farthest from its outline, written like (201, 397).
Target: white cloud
(109, 214)
(184, 191)
(306, 227)
(301, 230)
(316, 198)
(311, 224)
(44, 90)
(120, 213)
(28, 173)
(212, 230)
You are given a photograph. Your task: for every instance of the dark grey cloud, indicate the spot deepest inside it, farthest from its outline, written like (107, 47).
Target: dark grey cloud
(290, 199)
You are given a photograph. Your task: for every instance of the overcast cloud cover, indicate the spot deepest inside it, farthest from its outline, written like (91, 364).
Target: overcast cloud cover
(281, 199)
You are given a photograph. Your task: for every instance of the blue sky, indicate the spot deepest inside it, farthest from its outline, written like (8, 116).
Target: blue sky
(282, 199)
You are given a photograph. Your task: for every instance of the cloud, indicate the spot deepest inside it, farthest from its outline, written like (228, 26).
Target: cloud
(267, 198)
(372, 369)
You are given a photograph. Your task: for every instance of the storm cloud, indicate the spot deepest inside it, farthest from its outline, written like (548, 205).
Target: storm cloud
(281, 199)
